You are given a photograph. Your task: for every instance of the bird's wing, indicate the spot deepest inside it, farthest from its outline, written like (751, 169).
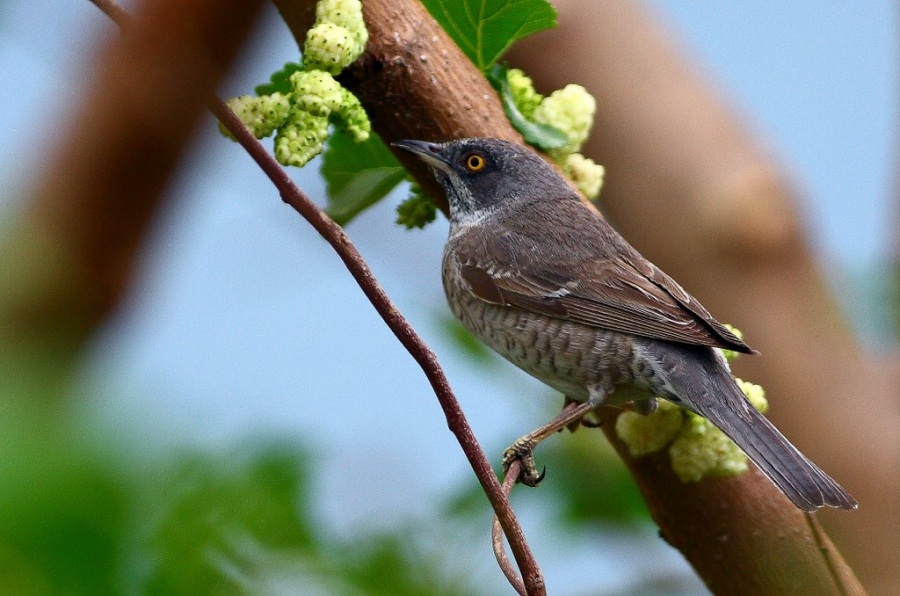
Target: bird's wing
(614, 289)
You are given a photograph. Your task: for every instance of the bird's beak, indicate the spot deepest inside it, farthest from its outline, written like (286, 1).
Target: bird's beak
(431, 153)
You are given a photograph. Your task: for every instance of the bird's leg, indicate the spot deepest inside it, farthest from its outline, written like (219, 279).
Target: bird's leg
(575, 424)
(523, 449)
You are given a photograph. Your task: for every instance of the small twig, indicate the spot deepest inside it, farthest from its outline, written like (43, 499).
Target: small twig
(421, 353)
(404, 332)
(512, 474)
(826, 549)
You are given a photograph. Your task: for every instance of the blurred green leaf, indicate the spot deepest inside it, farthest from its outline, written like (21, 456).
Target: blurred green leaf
(394, 565)
(539, 135)
(484, 29)
(209, 517)
(590, 482)
(894, 295)
(62, 506)
(357, 175)
(279, 81)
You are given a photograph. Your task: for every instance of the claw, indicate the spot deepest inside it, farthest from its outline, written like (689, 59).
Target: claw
(529, 476)
(523, 454)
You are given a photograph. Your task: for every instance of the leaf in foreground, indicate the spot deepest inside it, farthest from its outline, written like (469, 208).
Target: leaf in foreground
(542, 136)
(357, 175)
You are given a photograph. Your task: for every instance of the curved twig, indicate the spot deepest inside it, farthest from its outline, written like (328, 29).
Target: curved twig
(404, 332)
(533, 582)
(512, 475)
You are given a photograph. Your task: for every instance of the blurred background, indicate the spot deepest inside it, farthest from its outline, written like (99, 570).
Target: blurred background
(247, 422)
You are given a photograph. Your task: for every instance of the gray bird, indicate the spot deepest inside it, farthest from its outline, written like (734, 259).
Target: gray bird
(538, 275)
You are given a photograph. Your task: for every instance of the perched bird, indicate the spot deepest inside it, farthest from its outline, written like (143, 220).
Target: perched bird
(538, 275)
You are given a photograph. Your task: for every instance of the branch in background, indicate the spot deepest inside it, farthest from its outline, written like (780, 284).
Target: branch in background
(697, 194)
(70, 255)
(415, 83)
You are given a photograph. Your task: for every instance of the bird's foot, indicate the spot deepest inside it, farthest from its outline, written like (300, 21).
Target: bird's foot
(522, 451)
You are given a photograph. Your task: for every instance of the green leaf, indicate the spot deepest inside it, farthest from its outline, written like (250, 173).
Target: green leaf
(539, 135)
(357, 175)
(484, 29)
(590, 482)
(279, 81)
(215, 524)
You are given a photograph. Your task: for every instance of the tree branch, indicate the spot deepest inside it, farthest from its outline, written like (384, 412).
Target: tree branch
(69, 256)
(739, 533)
(691, 186)
(415, 83)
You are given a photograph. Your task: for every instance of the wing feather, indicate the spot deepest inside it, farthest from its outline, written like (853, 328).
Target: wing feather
(611, 287)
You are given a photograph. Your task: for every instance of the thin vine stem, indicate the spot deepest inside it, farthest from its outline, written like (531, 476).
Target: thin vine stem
(399, 326)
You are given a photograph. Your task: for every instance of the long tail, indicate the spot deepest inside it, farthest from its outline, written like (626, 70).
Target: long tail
(711, 391)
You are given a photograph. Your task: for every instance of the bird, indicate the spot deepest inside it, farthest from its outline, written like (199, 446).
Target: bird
(537, 273)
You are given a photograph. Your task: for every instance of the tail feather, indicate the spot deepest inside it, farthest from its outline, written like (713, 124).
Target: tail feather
(802, 481)
(712, 392)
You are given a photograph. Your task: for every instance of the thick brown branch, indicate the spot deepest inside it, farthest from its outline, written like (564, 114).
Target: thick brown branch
(739, 533)
(416, 84)
(691, 187)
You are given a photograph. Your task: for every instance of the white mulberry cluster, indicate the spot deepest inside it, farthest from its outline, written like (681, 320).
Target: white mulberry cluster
(352, 118)
(301, 116)
(301, 138)
(521, 88)
(585, 173)
(649, 433)
(697, 449)
(316, 92)
(570, 110)
(262, 115)
(318, 99)
(756, 395)
(337, 38)
(701, 450)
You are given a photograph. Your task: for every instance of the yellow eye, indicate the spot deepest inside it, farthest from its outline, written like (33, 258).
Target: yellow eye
(475, 162)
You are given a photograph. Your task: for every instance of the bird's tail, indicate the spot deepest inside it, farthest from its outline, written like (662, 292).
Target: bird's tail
(711, 391)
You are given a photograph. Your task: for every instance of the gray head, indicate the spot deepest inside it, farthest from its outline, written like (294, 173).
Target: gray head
(481, 175)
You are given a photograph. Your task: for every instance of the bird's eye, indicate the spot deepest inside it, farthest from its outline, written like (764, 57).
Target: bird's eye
(475, 162)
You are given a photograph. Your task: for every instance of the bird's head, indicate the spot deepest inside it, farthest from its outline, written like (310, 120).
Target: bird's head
(482, 175)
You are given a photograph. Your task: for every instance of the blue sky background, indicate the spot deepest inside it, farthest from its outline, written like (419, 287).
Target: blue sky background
(243, 322)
